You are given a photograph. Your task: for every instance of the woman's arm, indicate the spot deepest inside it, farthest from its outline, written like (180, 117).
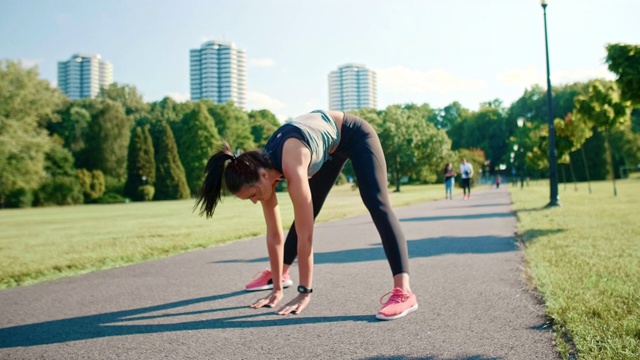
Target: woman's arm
(295, 163)
(275, 248)
(275, 239)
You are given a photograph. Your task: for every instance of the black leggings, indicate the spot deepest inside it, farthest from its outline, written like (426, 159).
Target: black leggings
(466, 186)
(359, 142)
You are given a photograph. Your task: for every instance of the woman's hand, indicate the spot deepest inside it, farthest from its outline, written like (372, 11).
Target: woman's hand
(296, 305)
(270, 300)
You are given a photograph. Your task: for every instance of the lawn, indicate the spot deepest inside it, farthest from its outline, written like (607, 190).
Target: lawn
(584, 258)
(46, 243)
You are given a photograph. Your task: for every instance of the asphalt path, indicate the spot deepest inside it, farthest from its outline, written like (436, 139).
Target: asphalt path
(466, 269)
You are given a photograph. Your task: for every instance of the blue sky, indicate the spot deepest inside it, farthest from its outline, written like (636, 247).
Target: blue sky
(424, 51)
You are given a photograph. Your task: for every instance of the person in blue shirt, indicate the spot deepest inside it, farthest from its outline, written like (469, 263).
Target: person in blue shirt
(449, 180)
(466, 173)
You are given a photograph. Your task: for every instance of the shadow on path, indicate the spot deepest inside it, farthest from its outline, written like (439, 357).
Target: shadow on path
(473, 206)
(111, 324)
(459, 217)
(532, 209)
(531, 235)
(417, 248)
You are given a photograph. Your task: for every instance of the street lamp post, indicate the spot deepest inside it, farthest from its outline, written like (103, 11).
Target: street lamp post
(553, 156)
(523, 165)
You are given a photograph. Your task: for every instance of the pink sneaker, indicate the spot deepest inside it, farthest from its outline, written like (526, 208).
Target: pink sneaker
(262, 281)
(398, 305)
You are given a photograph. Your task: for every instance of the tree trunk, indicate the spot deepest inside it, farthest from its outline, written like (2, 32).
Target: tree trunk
(586, 169)
(573, 175)
(397, 174)
(610, 153)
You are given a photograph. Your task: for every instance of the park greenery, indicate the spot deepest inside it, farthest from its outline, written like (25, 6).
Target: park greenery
(73, 240)
(117, 147)
(584, 259)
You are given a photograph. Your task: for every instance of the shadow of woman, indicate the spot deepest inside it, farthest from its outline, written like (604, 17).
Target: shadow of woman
(115, 323)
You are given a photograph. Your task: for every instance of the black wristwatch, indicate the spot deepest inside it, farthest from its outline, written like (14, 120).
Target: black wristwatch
(304, 290)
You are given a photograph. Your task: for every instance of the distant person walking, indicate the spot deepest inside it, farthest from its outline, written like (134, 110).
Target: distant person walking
(466, 173)
(449, 180)
(498, 181)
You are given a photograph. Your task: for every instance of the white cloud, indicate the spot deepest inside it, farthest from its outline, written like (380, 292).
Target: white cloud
(262, 63)
(570, 76)
(179, 97)
(524, 78)
(402, 80)
(258, 101)
(29, 63)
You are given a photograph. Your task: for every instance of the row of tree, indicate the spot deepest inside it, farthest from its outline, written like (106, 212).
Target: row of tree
(56, 151)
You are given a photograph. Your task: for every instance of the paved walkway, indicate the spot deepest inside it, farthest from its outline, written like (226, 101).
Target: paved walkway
(465, 265)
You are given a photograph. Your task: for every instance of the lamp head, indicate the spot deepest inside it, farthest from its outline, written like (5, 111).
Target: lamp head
(543, 3)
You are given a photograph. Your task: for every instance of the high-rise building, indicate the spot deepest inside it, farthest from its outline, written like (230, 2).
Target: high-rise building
(219, 73)
(83, 75)
(352, 87)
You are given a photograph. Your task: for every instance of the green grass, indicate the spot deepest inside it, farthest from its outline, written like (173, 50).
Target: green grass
(46, 243)
(584, 258)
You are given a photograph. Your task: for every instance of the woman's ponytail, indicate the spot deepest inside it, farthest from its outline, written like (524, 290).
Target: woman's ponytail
(211, 191)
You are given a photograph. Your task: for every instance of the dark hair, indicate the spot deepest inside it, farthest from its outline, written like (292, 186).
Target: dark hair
(237, 171)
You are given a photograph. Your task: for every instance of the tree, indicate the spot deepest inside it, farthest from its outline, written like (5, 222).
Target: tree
(626, 149)
(26, 104)
(141, 166)
(532, 105)
(396, 136)
(624, 61)
(60, 185)
(433, 148)
(72, 127)
(485, 129)
(449, 115)
(263, 123)
(171, 182)
(107, 140)
(196, 144)
(127, 96)
(232, 124)
(603, 107)
(571, 135)
(413, 147)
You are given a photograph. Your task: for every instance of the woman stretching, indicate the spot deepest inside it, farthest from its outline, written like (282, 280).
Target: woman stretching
(309, 152)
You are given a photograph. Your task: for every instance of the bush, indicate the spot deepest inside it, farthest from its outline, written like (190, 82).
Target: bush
(19, 198)
(113, 185)
(145, 192)
(61, 190)
(111, 198)
(93, 184)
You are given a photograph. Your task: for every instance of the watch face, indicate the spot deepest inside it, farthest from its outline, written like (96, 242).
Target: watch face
(304, 290)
